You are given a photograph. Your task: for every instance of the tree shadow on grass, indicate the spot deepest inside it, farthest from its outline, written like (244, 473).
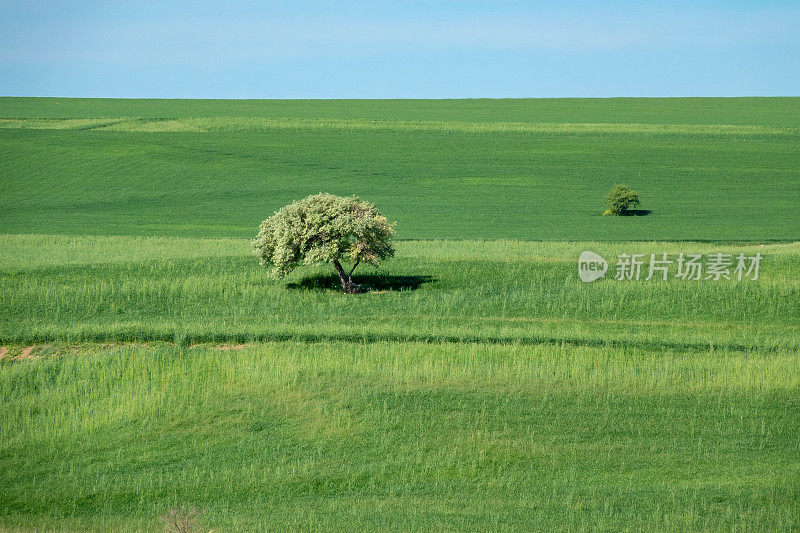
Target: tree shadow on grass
(635, 213)
(366, 283)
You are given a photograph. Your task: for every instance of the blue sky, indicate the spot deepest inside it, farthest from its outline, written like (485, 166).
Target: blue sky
(431, 49)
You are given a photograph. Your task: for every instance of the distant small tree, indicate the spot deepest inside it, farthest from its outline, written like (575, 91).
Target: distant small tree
(620, 199)
(324, 228)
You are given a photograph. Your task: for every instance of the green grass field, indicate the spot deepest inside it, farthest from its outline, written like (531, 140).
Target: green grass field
(147, 360)
(130, 289)
(708, 169)
(403, 436)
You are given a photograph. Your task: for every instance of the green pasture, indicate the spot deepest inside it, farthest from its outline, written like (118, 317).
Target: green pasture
(402, 436)
(708, 170)
(111, 289)
(476, 383)
(779, 112)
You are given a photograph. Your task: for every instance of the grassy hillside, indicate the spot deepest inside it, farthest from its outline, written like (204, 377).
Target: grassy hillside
(146, 359)
(402, 436)
(135, 289)
(708, 169)
(781, 112)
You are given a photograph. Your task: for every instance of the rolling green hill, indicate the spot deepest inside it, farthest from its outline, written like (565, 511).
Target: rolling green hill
(707, 169)
(146, 359)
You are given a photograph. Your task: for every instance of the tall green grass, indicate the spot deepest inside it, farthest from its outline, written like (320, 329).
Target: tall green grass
(478, 384)
(203, 290)
(402, 436)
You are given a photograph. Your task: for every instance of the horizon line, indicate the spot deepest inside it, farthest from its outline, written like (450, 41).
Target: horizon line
(403, 97)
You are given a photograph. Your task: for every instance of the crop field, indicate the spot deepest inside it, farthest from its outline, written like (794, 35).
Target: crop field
(147, 360)
(708, 169)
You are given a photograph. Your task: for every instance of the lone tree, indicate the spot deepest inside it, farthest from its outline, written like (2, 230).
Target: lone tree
(324, 228)
(620, 199)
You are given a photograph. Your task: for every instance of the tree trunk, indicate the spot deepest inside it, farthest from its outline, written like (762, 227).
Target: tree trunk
(347, 284)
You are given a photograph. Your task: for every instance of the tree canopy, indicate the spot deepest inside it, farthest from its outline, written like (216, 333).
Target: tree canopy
(621, 199)
(324, 228)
